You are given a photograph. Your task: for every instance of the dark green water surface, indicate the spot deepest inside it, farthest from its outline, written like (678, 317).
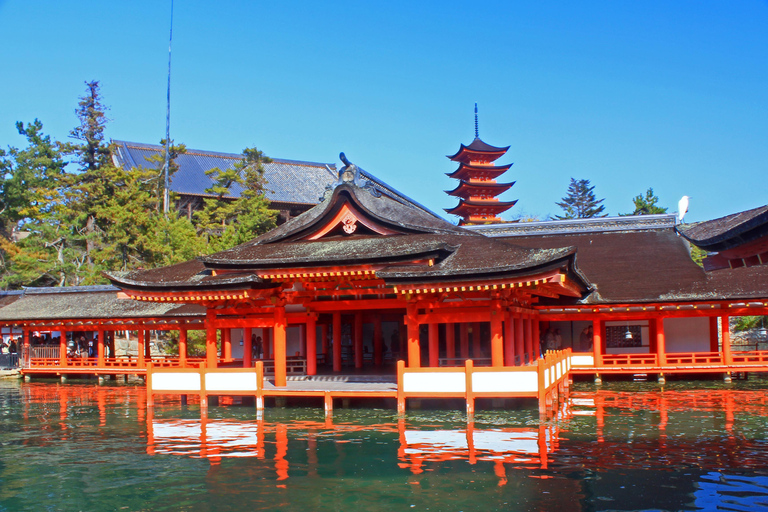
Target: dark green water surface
(634, 446)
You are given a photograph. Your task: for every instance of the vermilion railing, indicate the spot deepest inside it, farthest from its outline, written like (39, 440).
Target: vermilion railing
(630, 360)
(752, 357)
(111, 363)
(694, 358)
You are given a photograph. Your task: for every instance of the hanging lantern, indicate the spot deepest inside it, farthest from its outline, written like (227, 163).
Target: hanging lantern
(628, 334)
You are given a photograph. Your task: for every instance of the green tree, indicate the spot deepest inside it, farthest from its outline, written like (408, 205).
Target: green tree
(580, 201)
(646, 204)
(226, 222)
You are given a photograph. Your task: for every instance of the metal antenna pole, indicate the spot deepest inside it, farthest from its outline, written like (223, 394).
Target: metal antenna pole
(166, 162)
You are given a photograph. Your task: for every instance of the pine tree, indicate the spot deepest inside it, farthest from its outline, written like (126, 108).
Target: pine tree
(33, 202)
(646, 205)
(226, 222)
(580, 201)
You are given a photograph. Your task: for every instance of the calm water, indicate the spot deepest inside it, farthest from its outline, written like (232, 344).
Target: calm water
(624, 447)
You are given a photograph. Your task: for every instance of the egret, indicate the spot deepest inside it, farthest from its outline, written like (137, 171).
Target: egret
(682, 207)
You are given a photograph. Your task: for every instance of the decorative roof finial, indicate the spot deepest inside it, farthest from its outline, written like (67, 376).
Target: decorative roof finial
(477, 136)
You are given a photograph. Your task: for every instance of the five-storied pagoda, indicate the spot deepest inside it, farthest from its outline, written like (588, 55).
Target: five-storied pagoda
(478, 188)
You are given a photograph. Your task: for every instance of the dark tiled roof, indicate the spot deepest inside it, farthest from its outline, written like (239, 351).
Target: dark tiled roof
(649, 265)
(288, 181)
(729, 231)
(85, 302)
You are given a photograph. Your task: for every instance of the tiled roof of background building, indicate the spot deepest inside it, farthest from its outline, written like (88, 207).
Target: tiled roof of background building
(288, 181)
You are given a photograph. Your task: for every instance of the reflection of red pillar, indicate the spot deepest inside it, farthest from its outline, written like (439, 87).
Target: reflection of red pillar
(358, 340)
(311, 333)
(311, 455)
(450, 343)
(63, 399)
(600, 417)
(412, 326)
(543, 452)
(101, 403)
(401, 437)
(471, 455)
(337, 342)
(280, 347)
(497, 338)
(500, 472)
(183, 347)
(150, 432)
(378, 345)
(434, 337)
(464, 340)
(729, 410)
(281, 443)
(247, 348)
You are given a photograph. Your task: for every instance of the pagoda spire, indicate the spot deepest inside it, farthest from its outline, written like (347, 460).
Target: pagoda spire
(478, 188)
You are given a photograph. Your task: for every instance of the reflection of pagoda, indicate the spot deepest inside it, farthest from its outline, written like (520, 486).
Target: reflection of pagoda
(478, 188)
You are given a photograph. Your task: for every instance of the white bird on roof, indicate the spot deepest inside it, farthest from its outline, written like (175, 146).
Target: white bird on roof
(682, 207)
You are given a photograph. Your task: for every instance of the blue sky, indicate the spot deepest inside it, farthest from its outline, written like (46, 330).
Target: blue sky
(630, 95)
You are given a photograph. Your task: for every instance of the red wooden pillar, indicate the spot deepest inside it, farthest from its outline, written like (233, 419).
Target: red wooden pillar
(725, 325)
(311, 334)
(497, 337)
(464, 340)
(140, 352)
(25, 350)
(324, 341)
(520, 339)
(62, 348)
(337, 342)
(597, 341)
(183, 347)
(434, 345)
(528, 338)
(280, 347)
(247, 347)
(476, 349)
(661, 342)
(509, 340)
(652, 324)
(358, 340)
(266, 343)
(226, 344)
(713, 335)
(211, 352)
(412, 327)
(147, 348)
(536, 337)
(378, 345)
(100, 347)
(450, 342)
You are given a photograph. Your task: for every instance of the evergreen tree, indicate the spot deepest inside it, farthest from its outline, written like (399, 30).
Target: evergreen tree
(646, 204)
(580, 202)
(32, 197)
(226, 222)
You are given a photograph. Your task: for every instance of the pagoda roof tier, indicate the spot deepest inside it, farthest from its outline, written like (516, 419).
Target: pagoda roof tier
(466, 207)
(466, 171)
(467, 189)
(478, 151)
(354, 234)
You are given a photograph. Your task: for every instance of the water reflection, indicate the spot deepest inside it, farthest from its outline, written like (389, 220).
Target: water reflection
(605, 449)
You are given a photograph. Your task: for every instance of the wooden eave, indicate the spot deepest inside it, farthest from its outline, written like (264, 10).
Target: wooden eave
(656, 309)
(466, 208)
(466, 189)
(467, 172)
